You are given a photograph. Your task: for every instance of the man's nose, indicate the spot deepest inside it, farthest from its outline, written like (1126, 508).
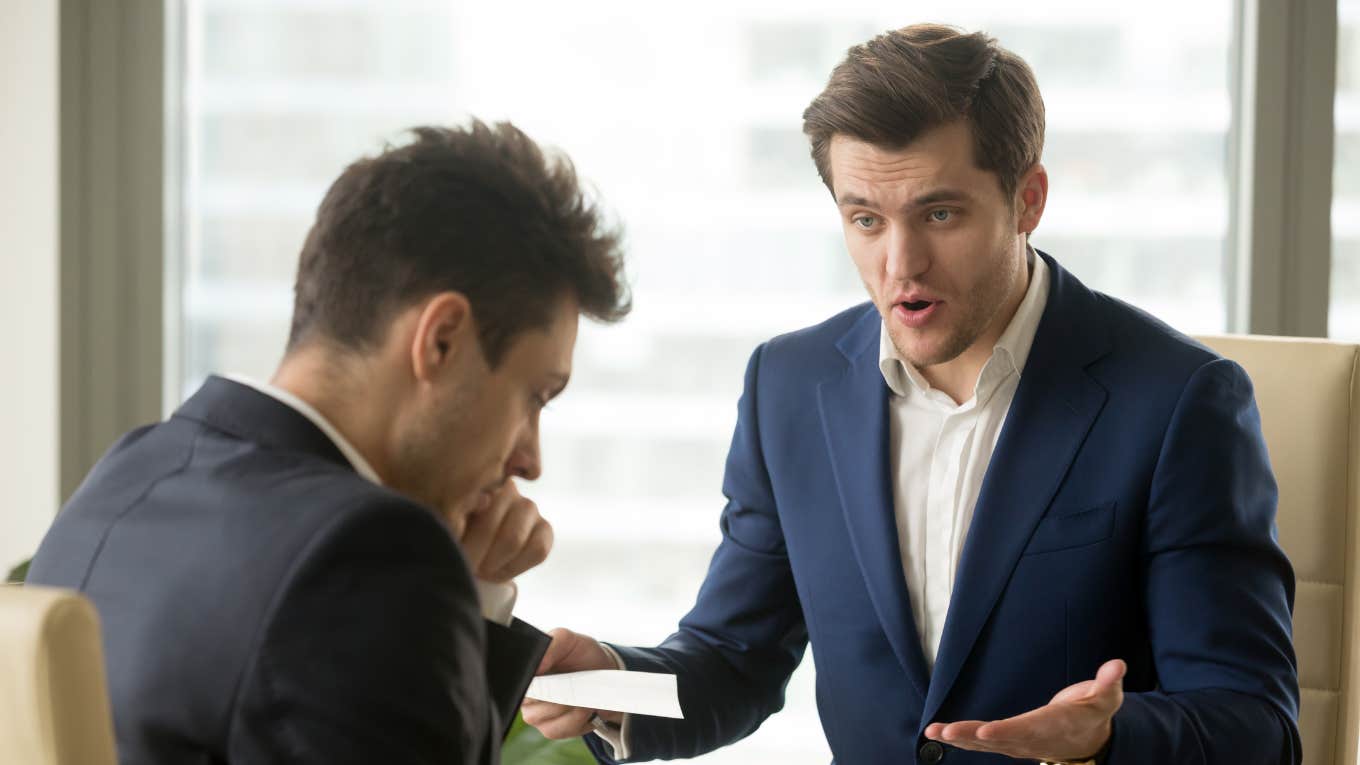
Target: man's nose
(525, 461)
(907, 256)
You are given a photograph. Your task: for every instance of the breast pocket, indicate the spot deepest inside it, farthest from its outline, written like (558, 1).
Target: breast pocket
(1072, 529)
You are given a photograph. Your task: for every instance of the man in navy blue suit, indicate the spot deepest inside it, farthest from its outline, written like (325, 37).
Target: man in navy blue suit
(1016, 518)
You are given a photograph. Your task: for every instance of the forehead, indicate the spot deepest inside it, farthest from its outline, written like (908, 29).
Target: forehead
(940, 157)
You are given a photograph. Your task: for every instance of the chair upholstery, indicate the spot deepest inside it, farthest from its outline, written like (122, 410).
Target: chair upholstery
(54, 703)
(1310, 410)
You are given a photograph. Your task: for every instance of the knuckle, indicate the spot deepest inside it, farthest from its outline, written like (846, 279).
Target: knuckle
(538, 557)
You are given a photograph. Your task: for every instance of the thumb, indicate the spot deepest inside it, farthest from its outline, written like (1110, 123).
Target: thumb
(1109, 683)
(563, 643)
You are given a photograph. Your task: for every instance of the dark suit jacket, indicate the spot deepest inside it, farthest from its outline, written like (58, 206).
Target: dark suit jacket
(261, 602)
(1128, 512)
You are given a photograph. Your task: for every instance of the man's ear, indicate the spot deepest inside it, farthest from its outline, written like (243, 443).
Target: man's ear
(1031, 194)
(443, 329)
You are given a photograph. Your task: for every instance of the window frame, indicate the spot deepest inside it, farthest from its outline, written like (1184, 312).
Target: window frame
(1280, 173)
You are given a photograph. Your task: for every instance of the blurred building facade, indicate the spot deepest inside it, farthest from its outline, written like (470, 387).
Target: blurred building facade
(687, 121)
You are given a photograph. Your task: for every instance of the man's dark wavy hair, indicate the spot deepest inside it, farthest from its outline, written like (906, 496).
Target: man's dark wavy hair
(480, 210)
(902, 83)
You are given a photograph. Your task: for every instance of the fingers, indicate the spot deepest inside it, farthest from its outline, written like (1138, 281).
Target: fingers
(1034, 724)
(568, 652)
(506, 536)
(562, 645)
(966, 735)
(522, 542)
(1076, 723)
(571, 652)
(534, 551)
(954, 731)
(478, 528)
(555, 720)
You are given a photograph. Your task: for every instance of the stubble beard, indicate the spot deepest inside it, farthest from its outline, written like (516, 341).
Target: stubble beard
(983, 302)
(422, 452)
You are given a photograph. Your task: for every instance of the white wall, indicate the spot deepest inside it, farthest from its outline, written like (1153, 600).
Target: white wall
(29, 391)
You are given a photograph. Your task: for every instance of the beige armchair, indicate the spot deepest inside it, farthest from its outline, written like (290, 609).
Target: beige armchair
(54, 703)
(1309, 399)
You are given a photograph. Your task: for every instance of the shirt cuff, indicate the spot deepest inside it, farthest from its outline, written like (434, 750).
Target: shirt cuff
(614, 655)
(616, 737)
(497, 600)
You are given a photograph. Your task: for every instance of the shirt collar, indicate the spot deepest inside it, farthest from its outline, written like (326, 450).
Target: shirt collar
(1008, 355)
(361, 465)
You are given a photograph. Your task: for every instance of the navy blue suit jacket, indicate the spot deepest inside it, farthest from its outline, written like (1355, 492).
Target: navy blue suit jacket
(1128, 512)
(261, 602)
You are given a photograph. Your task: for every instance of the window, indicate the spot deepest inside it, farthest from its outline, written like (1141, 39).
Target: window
(1344, 318)
(688, 122)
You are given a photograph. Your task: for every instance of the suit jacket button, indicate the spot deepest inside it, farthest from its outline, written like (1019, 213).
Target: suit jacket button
(931, 753)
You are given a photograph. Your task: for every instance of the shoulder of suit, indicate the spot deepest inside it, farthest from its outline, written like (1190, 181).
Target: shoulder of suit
(1141, 341)
(290, 496)
(381, 511)
(360, 525)
(329, 494)
(823, 343)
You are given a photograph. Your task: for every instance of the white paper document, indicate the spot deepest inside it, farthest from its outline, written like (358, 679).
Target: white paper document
(640, 693)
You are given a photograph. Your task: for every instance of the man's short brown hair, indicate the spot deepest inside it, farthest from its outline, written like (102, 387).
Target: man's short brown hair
(479, 210)
(891, 89)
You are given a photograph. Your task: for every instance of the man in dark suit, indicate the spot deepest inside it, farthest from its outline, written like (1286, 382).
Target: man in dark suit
(1015, 518)
(273, 565)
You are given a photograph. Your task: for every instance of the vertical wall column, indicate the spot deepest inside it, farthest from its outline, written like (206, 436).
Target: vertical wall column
(82, 137)
(112, 225)
(29, 274)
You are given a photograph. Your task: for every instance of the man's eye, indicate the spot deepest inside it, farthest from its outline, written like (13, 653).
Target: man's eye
(865, 221)
(941, 216)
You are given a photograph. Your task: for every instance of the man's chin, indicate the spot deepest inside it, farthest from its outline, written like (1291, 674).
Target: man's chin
(925, 351)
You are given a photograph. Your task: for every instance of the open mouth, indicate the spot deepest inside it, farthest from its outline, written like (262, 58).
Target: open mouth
(916, 313)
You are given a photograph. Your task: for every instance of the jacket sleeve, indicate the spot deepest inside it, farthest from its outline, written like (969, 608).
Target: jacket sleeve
(1218, 590)
(373, 652)
(734, 652)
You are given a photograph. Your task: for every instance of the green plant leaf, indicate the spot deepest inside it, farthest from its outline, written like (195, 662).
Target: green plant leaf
(18, 573)
(526, 746)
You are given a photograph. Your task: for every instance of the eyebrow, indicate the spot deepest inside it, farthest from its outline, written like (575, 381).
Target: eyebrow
(925, 200)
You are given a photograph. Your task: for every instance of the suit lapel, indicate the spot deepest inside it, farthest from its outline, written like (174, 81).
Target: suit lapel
(1050, 416)
(854, 411)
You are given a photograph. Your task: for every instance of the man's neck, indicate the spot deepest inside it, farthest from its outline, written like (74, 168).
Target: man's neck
(332, 392)
(958, 377)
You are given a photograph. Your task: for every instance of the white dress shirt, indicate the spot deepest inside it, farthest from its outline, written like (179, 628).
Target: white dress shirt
(497, 600)
(939, 453)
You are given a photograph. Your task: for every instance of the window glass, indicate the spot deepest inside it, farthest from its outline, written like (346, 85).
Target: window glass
(687, 119)
(1344, 315)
